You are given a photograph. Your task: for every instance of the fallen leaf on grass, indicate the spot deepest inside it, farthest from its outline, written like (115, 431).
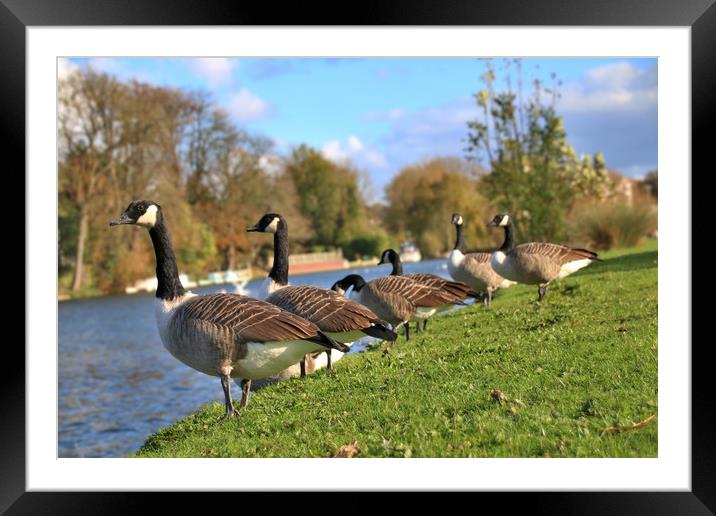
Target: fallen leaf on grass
(497, 395)
(635, 426)
(346, 451)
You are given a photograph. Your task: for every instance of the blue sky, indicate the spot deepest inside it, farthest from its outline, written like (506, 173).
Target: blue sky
(382, 114)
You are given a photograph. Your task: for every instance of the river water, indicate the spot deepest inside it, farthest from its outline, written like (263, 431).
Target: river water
(117, 383)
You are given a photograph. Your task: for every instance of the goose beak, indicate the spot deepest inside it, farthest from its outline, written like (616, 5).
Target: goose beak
(124, 219)
(252, 228)
(491, 223)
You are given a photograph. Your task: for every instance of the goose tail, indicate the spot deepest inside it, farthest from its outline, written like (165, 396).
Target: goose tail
(327, 342)
(380, 331)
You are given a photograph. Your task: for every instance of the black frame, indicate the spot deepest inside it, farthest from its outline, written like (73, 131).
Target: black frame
(16, 15)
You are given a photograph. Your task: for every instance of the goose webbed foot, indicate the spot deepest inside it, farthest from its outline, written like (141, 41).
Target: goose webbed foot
(229, 414)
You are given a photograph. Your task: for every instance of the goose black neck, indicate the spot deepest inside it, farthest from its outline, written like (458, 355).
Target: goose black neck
(460, 239)
(353, 279)
(397, 265)
(168, 283)
(279, 271)
(508, 244)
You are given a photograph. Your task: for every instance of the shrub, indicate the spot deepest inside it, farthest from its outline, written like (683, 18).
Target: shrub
(365, 245)
(603, 226)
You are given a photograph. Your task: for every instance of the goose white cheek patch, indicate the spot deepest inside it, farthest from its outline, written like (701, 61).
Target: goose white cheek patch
(149, 218)
(459, 221)
(273, 227)
(504, 220)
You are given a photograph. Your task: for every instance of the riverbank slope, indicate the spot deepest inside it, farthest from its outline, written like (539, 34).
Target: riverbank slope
(568, 378)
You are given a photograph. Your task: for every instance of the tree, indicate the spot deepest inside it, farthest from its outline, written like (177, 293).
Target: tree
(422, 198)
(117, 141)
(328, 196)
(651, 182)
(89, 140)
(535, 173)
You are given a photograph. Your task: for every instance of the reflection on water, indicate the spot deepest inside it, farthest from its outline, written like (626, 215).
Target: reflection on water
(117, 383)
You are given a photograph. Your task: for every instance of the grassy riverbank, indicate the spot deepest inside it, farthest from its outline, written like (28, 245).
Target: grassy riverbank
(568, 378)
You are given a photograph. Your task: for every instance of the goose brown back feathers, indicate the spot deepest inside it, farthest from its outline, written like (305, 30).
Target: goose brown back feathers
(248, 320)
(456, 288)
(416, 293)
(327, 309)
(558, 253)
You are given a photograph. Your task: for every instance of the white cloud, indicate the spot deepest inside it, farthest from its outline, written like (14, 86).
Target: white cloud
(334, 151)
(119, 68)
(354, 143)
(216, 70)
(271, 163)
(436, 131)
(353, 151)
(246, 106)
(65, 67)
(613, 87)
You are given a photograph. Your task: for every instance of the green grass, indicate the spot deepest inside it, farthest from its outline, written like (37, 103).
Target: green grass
(583, 361)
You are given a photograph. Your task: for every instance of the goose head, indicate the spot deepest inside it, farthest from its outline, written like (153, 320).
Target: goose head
(269, 223)
(456, 219)
(352, 280)
(388, 256)
(140, 213)
(501, 219)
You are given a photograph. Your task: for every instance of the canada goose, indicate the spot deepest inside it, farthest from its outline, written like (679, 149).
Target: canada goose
(224, 335)
(536, 263)
(338, 317)
(395, 299)
(454, 288)
(473, 268)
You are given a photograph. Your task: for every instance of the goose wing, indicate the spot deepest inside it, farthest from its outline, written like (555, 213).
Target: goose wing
(561, 254)
(416, 293)
(249, 320)
(456, 288)
(329, 310)
(475, 263)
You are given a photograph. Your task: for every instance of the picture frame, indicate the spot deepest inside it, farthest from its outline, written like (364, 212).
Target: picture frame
(16, 16)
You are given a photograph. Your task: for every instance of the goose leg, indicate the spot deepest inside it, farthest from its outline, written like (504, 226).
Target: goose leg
(425, 324)
(245, 392)
(329, 362)
(417, 327)
(407, 330)
(542, 292)
(489, 298)
(226, 385)
(303, 367)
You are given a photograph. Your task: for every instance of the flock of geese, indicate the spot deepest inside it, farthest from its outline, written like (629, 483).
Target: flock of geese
(241, 338)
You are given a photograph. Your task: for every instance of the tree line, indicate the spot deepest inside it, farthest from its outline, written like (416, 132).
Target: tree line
(125, 140)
